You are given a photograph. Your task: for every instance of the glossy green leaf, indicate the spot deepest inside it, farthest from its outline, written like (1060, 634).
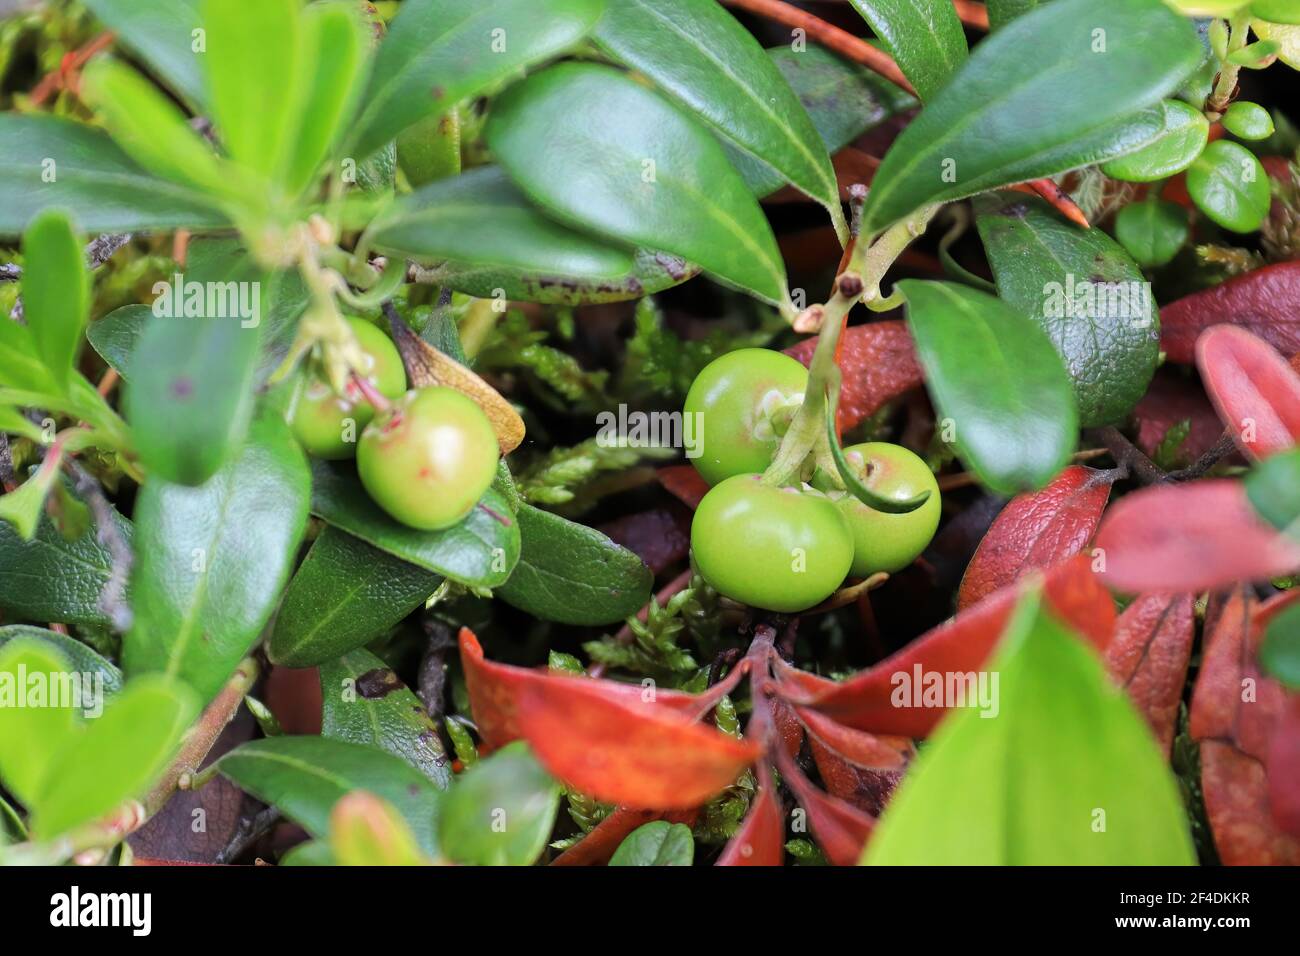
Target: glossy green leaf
(1084, 291)
(53, 579)
(56, 292)
(573, 574)
(430, 150)
(305, 776)
(658, 843)
(501, 810)
(23, 507)
(335, 40)
(1152, 231)
(33, 729)
(1185, 135)
(1279, 652)
(439, 52)
(1002, 12)
(152, 129)
(47, 162)
(480, 551)
(1008, 116)
(78, 655)
(1228, 184)
(190, 396)
(164, 34)
(1257, 55)
(924, 36)
(211, 560)
(1248, 121)
(1287, 37)
(1273, 488)
(256, 66)
(1066, 772)
(115, 757)
(843, 99)
(345, 594)
(364, 702)
(597, 149)
(698, 53)
(997, 378)
(115, 336)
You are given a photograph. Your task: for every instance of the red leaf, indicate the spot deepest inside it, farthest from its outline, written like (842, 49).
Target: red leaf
(1190, 537)
(760, 841)
(659, 537)
(1236, 715)
(962, 645)
(840, 828)
(1283, 769)
(879, 364)
(856, 746)
(494, 691)
(1171, 399)
(635, 755)
(868, 790)
(684, 482)
(788, 726)
(1148, 657)
(1036, 531)
(1262, 301)
(1254, 389)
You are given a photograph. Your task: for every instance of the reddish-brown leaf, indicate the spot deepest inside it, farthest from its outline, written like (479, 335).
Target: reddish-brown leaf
(856, 746)
(878, 362)
(1254, 388)
(1236, 714)
(760, 841)
(684, 482)
(1036, 531)
(840, 828)
(1283, 769)
(632, 754)
(960, 646)
(1173, 398)
(659, 537)
(494, 691)
(1203, 534)
(1262, 301)
(1148, 657)
(867, 790)
(788, 726)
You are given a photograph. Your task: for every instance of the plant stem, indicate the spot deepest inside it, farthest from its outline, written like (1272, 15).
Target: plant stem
(1226, 84)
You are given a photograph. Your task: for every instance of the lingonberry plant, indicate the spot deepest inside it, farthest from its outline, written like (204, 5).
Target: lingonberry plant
(347, 350)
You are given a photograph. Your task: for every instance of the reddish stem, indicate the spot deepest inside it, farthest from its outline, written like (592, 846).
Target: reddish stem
(371, 394)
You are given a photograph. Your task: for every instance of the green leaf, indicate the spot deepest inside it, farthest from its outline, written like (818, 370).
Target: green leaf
(367, 831)
(211, 560)
(1248, 121)
(311, 853)
(597, 149)
(439, 52)
(1287, 38)
(572, 574)
(32, 729)
(658, 843)
(1084, 291)
(190, 396)
(46, 161)
(1228, 183)
(364, 702)
(115, 336)
(335, 40)
(1185, 134)
(843, 99)
(164, 33)
(1066, 772)
(924, 36)
(24, 506)
(699, 54)
(1279, 652)
(23, 367)
(53, 579)
(1255, 56)
(115, 757)
(82, 659)
(345, 594)
(1152, 231)
(1273, 489)
(480, 551)
(500, 811)
(999, 380)
(304, 777)
(430, 150)
(1002, 12)
(255, 66)
(1007, 116)
(14, 422)
(1276, 11)
(56, 292)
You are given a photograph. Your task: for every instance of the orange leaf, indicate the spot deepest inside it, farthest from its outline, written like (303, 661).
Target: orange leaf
(636, 755)
(878, 362)
(1036, 531)
(1203, 534)
(1148, 657)
(1253, 387)
(760, 841)
(840, 828)
(684, 482)
(961, 646)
